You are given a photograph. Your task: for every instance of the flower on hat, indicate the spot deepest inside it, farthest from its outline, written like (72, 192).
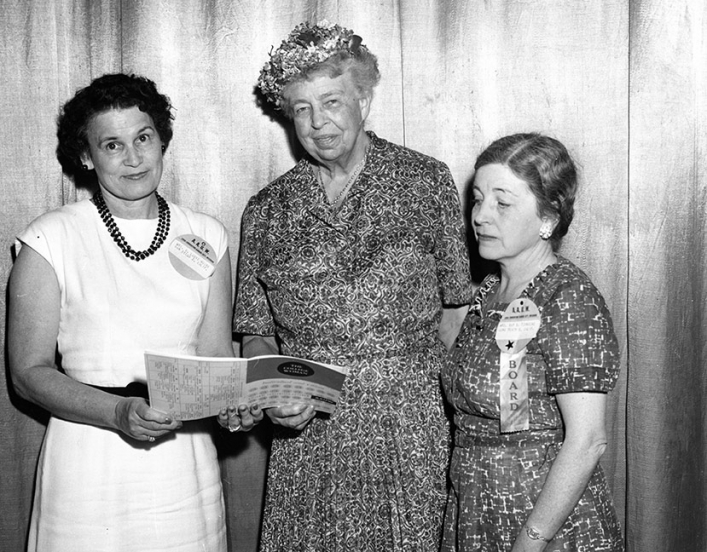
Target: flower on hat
(306, 46)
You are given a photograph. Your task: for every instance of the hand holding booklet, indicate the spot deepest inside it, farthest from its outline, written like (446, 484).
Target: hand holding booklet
(191, 387)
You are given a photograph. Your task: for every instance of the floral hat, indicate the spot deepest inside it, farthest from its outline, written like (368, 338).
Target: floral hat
(305, 46)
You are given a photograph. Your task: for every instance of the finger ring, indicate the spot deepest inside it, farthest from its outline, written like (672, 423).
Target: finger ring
(234, 429)
(151, 439)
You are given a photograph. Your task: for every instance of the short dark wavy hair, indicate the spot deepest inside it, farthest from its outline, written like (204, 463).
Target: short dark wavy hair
(548, 169)
(112, 91)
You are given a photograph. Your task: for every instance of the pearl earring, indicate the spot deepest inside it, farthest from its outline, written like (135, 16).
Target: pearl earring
(545, 233)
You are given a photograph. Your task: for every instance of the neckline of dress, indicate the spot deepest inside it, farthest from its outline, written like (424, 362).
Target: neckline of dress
(483, 306)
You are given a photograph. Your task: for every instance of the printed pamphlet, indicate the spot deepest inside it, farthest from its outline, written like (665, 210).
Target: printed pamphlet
(191, 387)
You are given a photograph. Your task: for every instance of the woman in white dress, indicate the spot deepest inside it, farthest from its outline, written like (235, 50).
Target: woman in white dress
(96, 282)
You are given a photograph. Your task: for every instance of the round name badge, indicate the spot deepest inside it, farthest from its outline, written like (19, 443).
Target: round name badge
(192, 257)
(519, 324)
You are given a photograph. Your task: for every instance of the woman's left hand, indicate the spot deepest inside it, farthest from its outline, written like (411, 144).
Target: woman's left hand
(243, 419)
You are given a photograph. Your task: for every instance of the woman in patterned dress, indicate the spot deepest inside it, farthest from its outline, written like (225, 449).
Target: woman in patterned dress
(354, 257)
(95, 282)
(530, 370)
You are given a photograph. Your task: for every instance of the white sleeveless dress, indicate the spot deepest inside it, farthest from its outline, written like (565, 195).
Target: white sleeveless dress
(97, 489)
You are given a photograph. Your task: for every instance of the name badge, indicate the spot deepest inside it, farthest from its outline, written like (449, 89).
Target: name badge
(192, 257)
(518, 326)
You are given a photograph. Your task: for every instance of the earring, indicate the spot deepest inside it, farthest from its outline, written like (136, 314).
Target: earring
(84, 167)
(545, 233)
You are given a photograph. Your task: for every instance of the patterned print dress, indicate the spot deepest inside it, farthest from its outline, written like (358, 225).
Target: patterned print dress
(362, 287)
(496, 478)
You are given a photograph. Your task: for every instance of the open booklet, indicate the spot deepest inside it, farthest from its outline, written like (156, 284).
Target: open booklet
(191, 387)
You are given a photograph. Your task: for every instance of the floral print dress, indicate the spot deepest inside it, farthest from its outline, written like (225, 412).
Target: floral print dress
(497, 477)
(363, 287)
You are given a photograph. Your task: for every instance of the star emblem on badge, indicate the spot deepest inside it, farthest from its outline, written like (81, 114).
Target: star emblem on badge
(510, 345)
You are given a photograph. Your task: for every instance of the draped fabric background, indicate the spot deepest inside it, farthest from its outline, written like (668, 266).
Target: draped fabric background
(622, 84)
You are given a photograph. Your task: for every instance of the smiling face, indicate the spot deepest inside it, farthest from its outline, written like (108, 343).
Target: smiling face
(125, 150)
(328, 114)
(505, 216)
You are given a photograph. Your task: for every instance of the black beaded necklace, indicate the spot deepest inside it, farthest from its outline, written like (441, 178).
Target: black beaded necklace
(129, 252)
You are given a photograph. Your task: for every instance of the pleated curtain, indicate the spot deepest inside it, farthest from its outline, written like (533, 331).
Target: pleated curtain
(622, 83)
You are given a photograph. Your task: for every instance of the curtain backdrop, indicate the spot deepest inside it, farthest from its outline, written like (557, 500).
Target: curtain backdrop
(622, 84)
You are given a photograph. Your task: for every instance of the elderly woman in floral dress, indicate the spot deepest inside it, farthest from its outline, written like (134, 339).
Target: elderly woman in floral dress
(354, 257)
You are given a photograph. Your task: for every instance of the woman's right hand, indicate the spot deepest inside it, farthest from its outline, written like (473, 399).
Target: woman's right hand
(247, 417)
(294, 416)
(136, 419)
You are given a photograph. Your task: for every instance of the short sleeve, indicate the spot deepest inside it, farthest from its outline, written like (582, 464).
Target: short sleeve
(222, 242)
(451, 251)
(252, 313)
(46, 235)
(35, 234)
(578, 342)
(209, 227)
